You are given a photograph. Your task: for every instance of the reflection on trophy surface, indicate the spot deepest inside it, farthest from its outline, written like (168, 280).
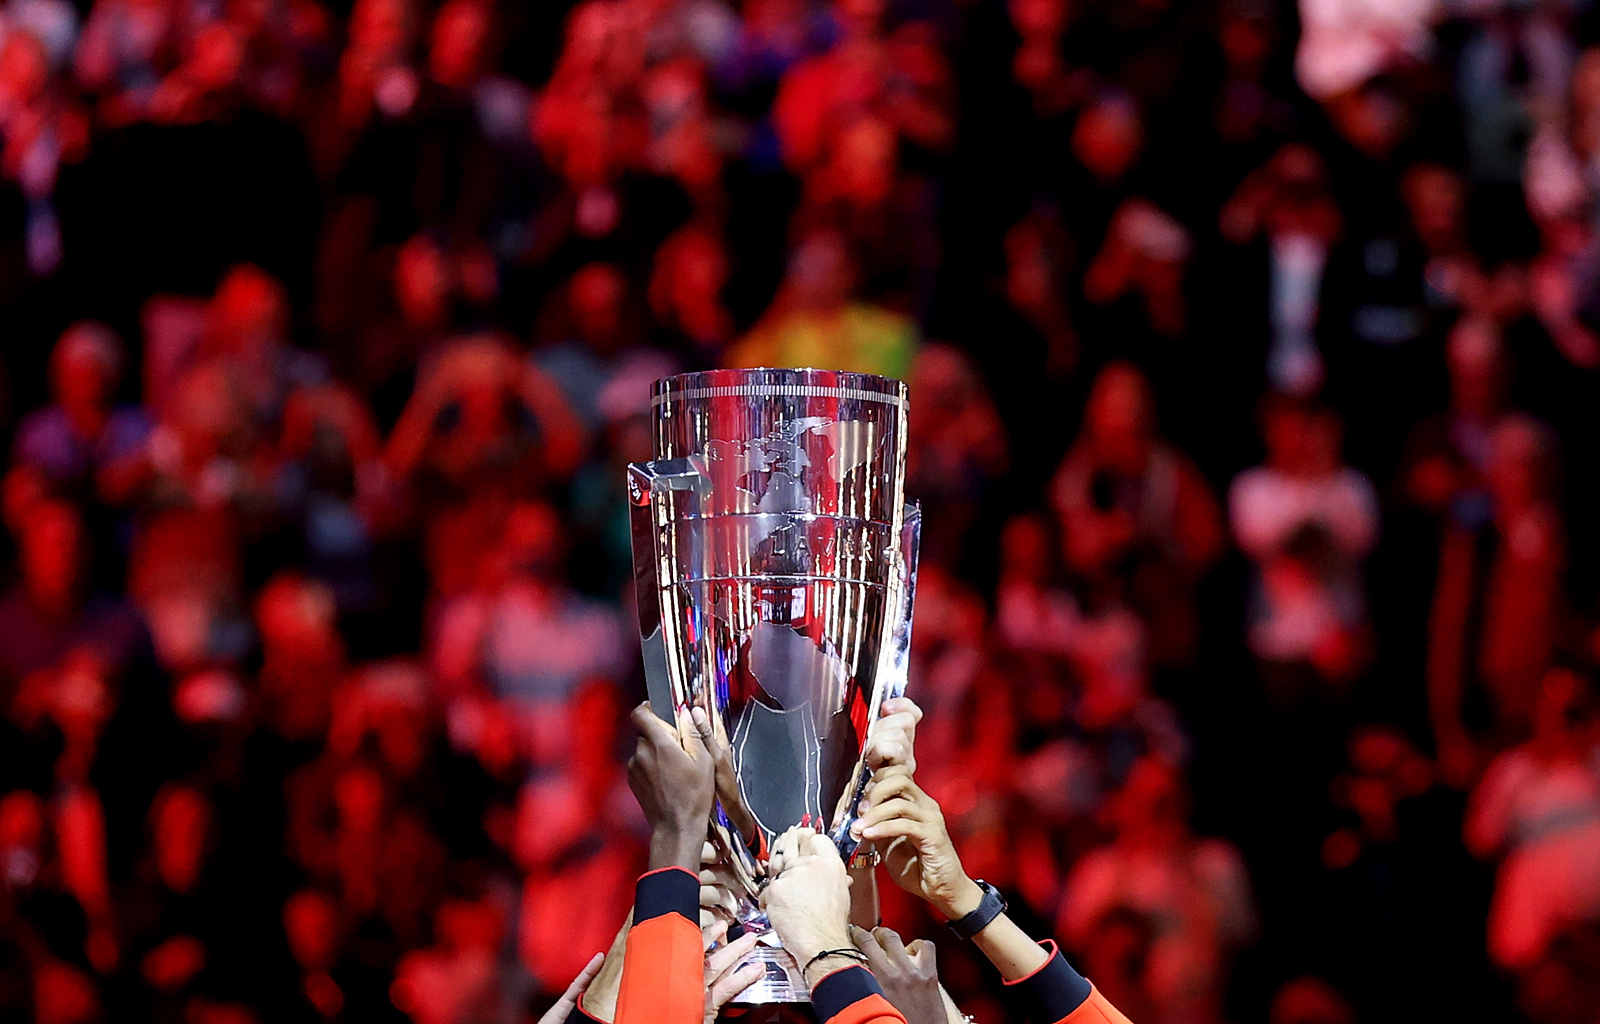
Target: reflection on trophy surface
(775, 559)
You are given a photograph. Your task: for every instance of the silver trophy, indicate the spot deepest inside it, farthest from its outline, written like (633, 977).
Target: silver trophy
(775, 561)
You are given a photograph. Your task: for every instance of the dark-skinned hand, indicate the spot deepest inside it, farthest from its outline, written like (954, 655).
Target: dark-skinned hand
(674, 786)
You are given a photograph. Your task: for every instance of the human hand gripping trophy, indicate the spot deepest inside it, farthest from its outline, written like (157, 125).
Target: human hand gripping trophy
(775, 564)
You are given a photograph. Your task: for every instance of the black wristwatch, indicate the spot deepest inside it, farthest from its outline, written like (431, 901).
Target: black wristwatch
(991, 907)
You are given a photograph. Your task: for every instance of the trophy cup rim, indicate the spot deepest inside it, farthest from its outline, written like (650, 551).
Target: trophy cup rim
(780, 382)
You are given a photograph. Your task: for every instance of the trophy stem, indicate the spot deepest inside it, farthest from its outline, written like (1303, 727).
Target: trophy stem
(781, 980)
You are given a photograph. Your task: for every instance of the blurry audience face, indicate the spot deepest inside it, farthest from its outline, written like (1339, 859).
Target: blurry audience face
(1310, 1001)
(24, 69)
(1435, 197)
(459, 42)
(1030, 274)
(531, 544)
(686, 289)
(295, 618)
(1372, 119)
(423, 283)
(597, 293)
(380, 30)
(864, 161)
(1109, 138)
(1302, 199)
(820, 273)
(84, 369)
(207, 412)
(312, 925)
(1564, 716)
(1121, 417)
(218, 57)
(1153, 805)
(1302, 440)
(1038, 17)
(1026, 549)
(250, 313)
(1477, 369)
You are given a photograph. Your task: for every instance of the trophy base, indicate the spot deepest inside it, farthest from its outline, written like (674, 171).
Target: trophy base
(782, 981)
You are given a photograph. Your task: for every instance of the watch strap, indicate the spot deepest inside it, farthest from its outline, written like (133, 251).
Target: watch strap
(991, 907)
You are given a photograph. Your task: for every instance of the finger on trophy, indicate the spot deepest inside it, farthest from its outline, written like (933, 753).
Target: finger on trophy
(817, 844)
(712, 933)
(789, 848)
(901, 706)
(688, 734)
(719, 900)
(651, 729)
(700, 737)
(886, 784)
(894, 736)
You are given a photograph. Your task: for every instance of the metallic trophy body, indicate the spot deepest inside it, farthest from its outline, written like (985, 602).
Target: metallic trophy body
(775, 560)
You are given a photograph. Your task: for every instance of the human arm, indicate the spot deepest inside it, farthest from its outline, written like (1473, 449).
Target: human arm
(727, 972)
(892, 742)
(808, 904)
(921, 858)
(909, 975)
(662, 978)
(563, 434)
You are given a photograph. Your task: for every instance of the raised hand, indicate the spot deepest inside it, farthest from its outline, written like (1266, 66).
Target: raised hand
(894, 738)
(674, 786)
(909, 975)
(725, 978)
(808, 899)
(909, 829)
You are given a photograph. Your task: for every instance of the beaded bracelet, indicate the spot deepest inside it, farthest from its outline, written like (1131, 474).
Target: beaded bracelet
(849, 954)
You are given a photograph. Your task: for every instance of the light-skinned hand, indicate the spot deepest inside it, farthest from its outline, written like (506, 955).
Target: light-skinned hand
(558, 1013)
(909, 829)
(725, 978)
(808, 899)
(894, 738)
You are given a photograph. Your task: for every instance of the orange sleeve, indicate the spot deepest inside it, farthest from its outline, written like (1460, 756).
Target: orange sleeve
(1056, 994)
(1095, 1010)
(663, 979)
(851, 995)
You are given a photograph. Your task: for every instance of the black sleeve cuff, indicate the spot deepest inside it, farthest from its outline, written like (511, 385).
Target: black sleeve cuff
(840, 989)
(1054, 990)
(578, 1016)
(667, 891)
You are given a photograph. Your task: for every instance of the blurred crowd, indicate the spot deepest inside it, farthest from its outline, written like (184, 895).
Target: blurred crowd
(1254, 354)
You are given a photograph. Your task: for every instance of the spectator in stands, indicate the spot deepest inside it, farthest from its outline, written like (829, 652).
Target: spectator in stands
(1498, 600)
(1537, 811)
(1194, 893)
(1307, 522)
(86, 440)
(1136, 516)
(814, 322)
